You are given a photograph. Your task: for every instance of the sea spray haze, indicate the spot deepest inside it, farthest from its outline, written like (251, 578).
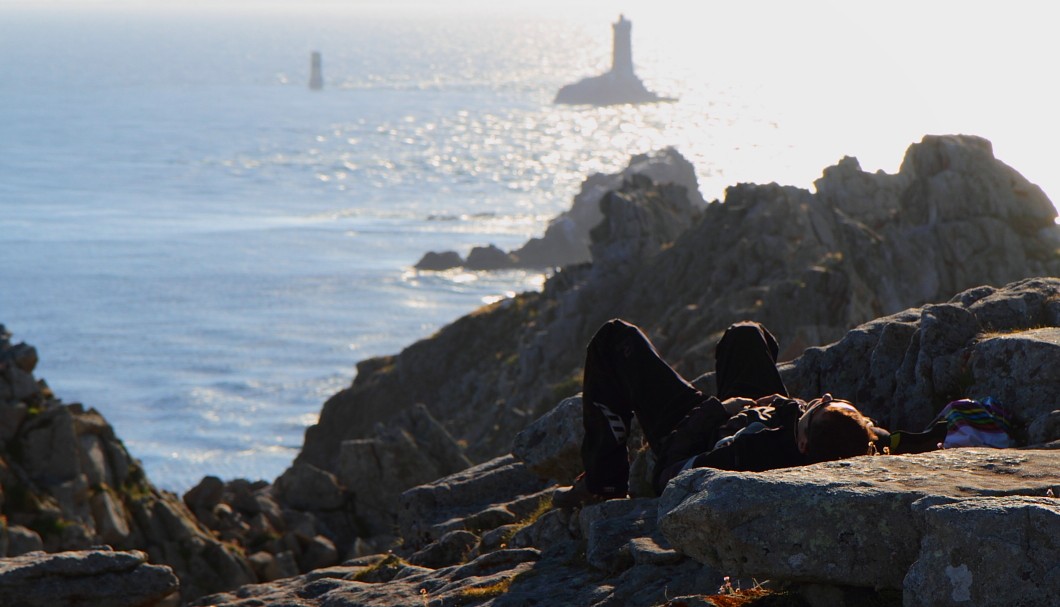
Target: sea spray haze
(202, 248)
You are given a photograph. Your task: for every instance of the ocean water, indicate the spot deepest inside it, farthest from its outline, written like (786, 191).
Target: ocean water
(202, 248)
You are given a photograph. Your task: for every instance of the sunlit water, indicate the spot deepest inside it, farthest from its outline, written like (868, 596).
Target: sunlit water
(202, 248)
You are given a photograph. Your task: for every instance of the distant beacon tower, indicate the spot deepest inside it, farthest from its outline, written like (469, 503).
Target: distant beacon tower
(622, 57)
(316, 78)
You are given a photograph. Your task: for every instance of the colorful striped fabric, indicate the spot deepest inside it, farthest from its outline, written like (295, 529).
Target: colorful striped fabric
(974, 423)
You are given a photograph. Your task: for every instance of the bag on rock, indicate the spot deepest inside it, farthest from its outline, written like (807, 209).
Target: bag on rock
(972, 423)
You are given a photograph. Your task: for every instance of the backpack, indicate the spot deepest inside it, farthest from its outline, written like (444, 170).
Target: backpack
(972, 423)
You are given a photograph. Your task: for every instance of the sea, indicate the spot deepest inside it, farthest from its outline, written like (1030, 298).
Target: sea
(202, 248)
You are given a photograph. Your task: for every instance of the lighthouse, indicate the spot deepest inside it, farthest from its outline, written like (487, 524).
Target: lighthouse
(622, 55)
(316, 77)
(620, 85)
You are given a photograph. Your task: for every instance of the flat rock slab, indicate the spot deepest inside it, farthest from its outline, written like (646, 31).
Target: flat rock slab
(857, 522)
(99, 578)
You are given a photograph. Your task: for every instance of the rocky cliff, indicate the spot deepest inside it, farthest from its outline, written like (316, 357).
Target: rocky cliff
(809, 265)
(69, 484)
(942, 528)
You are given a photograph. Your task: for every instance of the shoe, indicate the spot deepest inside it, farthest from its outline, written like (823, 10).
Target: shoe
(579, 496)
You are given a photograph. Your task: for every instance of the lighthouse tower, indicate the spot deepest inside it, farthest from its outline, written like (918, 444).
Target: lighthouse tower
(622, 56)
(619, 85)
(316, 76)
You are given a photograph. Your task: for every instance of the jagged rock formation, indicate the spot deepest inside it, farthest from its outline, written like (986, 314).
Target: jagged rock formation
(942, 528)
(88, 578)
(566, 240)
(618, 85)
(69, 484)
(810, 266)
(902, 369)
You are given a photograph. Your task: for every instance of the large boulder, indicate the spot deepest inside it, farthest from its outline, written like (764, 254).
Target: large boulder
(972, 548)
(551, 446)
(865, 521)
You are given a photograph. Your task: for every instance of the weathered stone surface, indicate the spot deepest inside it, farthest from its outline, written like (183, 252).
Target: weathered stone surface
(1019, 368)
(413, 449)
(11, 417)
(452, 548)
(902, 369)
(551, 532)
(856, 522)
(18, 386)
(95, 578)
(319, 552)
(307, 487)
(21, 540)
(551, 446)
(1044, 429)
(428, 511)
(204, 497)
(610, 527)
(988, 552)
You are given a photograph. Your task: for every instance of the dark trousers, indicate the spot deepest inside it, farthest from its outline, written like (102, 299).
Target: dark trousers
(625, 376)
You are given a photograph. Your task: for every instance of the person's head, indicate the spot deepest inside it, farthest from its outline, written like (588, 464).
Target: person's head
(833, 429)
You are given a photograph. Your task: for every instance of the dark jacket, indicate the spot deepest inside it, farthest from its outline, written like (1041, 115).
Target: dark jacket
(762, 438)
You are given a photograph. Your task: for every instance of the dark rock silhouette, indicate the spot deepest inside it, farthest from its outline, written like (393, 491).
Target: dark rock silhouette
(566, 239)
(316, 72)
(617, 86)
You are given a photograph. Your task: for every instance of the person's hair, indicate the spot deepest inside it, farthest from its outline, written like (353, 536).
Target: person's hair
(836, 433)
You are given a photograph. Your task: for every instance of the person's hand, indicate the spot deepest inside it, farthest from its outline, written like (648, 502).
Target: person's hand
(736, 404)
(772, 399)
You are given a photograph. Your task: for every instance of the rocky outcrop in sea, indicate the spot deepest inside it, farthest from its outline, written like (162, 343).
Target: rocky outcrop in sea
(619, 85)
(567, 239)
